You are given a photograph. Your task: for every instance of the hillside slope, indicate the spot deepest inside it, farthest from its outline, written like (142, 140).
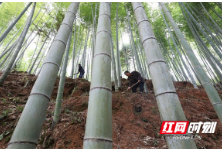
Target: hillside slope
(136, 119)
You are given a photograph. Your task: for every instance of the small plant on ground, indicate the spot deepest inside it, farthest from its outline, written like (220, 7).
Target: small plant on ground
(154, 110)
(20, 108)
(67, 111)
(4, 100)
(7, 139)
(155, 142)
(5, 112)
(75, 117)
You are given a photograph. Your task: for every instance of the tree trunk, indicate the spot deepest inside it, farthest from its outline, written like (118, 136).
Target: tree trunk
(204, 33)
(33, 54)
(30, 123)
(74, 51)
(30, 70)
(114, 68)
(9, 49)
(94, 38)
(117, 50)
(5, 49)
(19, 45)
(98, 133)
(166, 96)
(59, 97)
(9, 54)
(205, 81)
(14, 22)
(125, 53)
(84, 52)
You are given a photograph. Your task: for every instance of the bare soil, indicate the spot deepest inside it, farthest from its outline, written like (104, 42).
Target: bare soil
(136, 119)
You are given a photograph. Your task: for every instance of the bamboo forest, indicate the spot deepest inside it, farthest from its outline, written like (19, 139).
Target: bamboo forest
(108, 75)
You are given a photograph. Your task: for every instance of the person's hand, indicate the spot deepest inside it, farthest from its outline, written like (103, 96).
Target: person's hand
(128, 88)
(138, 81)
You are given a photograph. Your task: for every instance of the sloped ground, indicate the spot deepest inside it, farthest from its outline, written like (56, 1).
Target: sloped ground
(136, 119)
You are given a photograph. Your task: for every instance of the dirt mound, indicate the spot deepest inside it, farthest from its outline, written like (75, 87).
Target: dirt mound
(136, 119)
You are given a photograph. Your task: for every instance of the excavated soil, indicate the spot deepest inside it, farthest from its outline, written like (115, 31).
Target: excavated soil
(136, 119)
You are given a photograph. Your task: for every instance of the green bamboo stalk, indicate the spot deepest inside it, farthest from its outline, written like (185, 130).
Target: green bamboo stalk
(33, 55)
(94, 38)
(9, 49)
(131, 51)
(206, 25)
(188, 61)
(85, 47)
(114, 69)
(98, 133)
(30, 70)
(23, 51)
(59, 97)
(203, 48)
(5, 49)
(125, 53)
(14, 22)
(167, 99)
(88, 60)
(213, 9)
(205, 81)
(179, 53)
(170, 63)
(18, 48)
(9, 54)
(218, 28)
(117, 50)
(140, 52)
(30, 123)
(203, 32)
(73, 52)
(44, 52)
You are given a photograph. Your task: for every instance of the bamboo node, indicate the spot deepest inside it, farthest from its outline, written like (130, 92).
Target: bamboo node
(103, 31)
(156, 61)
(217, 103)
(101, 88)
(22, 142)
(40, 94)
(105, 15)
(148, 39)
(71, 12)
(99, 139)
(137, 7)
(206, 83)
(102, 54)
(60, 41)
(189, 51)
(68, 25)
(165, 93)
(51, 63)
(197, 66)
(142, 21)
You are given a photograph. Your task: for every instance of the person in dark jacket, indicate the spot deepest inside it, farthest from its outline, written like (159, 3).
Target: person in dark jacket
(81, 71)
(133, 78)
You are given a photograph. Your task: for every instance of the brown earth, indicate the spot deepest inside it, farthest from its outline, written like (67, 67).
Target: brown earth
(136, 119)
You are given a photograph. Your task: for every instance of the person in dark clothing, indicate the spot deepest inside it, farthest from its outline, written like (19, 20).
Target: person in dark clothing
(133, 78)
(81, 71)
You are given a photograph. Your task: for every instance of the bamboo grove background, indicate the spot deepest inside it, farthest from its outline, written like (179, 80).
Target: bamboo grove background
(165, 42)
